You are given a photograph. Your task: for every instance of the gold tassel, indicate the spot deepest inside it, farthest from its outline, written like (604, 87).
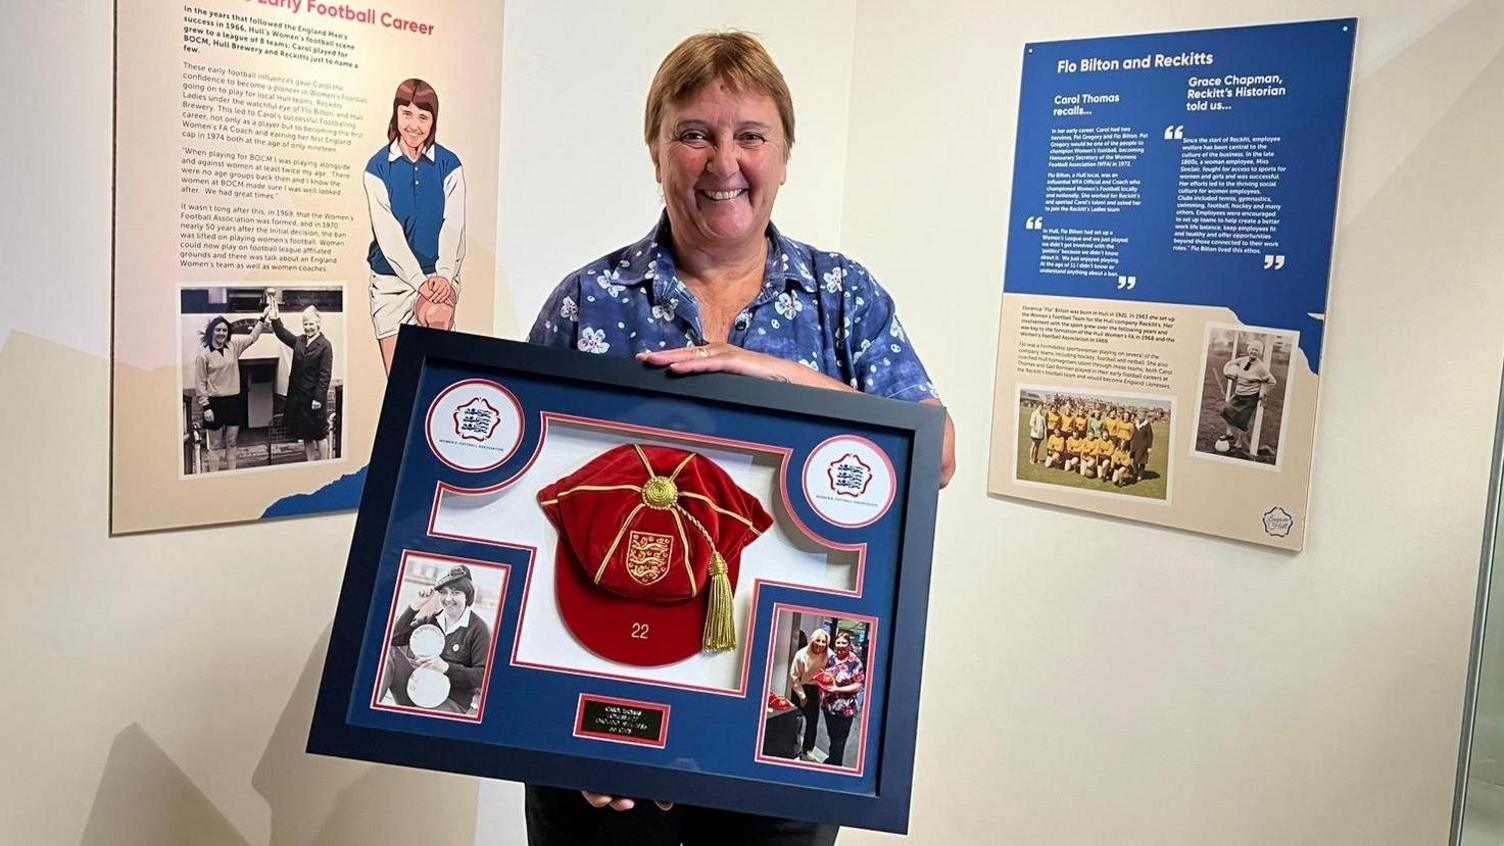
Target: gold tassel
(720, 623)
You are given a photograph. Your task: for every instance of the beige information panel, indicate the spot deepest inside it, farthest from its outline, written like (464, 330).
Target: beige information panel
(1169, 257)
(294, 181)
(1134, 411)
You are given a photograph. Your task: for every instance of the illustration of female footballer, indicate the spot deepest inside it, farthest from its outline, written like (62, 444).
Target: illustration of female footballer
(415, 190)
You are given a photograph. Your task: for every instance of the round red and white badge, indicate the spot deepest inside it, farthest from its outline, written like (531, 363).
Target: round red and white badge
(474, 425)
(849, 481)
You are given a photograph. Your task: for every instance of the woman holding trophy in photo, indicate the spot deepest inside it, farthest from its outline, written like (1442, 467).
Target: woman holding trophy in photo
(216, 373)
(304, 415)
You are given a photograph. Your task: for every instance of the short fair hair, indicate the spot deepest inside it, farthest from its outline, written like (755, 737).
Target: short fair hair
(736, 58)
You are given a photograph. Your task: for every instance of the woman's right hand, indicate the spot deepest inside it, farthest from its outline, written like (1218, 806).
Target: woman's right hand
(427, 603)
(208, 415)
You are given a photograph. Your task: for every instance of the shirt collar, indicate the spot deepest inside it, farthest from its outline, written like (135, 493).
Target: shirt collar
(443, 621)
(650, 260)
(394, 152)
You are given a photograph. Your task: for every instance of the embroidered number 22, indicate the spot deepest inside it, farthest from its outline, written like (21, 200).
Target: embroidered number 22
(640, 631)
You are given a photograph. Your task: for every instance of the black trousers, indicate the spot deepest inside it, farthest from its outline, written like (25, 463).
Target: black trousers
(811, 711)
(558, 817)
(839, 728)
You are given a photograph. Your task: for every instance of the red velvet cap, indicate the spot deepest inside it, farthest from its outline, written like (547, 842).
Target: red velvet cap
(640, 531)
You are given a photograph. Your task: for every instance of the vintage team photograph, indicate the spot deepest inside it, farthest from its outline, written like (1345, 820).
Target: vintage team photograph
(262, 372)
(440, 637)
(816, 691)
(1094, 440)
(1244, 387)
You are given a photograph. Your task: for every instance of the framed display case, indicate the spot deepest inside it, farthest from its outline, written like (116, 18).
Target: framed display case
(579, 571)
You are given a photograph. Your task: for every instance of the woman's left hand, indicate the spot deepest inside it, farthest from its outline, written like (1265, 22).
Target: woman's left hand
(439, 290)
(724, 358)
(729, 358)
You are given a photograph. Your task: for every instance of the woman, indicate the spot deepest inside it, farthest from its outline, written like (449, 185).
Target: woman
(840, 699)
(415, 191)
(303, 415)
(1140, 442)
(217, 387)
(716, 287)
(467, 641)
(1248, 383)
(1036, 432)
(807, 665)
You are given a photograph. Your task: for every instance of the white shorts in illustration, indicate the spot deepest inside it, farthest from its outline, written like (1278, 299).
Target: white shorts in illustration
(393, 303)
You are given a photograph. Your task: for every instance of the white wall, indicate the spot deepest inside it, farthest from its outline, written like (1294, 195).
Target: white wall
(1151, 686)
(573, 90)
(1087, 681)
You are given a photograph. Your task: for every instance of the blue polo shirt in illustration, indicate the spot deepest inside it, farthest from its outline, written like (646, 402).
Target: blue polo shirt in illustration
(417, 214)
(818, 308)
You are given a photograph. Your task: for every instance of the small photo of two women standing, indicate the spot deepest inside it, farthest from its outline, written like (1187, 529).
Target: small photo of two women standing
(817, 689)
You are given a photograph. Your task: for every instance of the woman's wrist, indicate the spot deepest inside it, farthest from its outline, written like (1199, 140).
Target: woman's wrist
(797, 374)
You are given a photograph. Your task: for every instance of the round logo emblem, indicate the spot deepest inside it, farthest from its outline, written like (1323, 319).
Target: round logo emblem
(849, 481)
(474, 425)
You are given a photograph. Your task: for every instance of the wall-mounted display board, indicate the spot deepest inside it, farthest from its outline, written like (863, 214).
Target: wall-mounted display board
(294, 181)
(1169, 252)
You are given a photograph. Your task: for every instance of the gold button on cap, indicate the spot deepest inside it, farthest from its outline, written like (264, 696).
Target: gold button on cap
(660, 492)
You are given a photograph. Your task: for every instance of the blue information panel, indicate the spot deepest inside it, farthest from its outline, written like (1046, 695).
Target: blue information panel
(533, 592)
(1170, 246)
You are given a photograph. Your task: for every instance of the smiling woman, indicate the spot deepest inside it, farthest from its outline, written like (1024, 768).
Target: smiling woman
(439, 647)
(716, 287)
(415, 192)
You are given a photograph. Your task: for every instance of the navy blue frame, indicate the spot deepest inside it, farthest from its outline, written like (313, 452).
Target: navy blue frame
(884, 808)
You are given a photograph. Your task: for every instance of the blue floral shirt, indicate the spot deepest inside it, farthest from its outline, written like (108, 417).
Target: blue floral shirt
(818, 308)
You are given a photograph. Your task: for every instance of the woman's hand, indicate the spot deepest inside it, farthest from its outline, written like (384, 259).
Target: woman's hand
(722, 358)
(208, 415)
(729, 358)
(427, 604)
(315, 404)
(601, 800)
(799, 695)
(435, 663)
(439, 290)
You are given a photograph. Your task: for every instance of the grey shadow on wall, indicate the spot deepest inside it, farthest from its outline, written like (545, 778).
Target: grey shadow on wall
(335, 802)
(145, 799)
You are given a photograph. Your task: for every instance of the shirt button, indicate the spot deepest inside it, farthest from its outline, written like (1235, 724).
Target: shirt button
(742, 322)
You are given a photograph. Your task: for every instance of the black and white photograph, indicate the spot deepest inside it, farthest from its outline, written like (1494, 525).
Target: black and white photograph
(1245, 388)
(813, 710)
(441, 636)
(262, 377)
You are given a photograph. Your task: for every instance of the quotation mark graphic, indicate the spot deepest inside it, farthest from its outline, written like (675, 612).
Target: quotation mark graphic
(1034, 222)
(1127, 282)
(1175, 132)
(1273, 262)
